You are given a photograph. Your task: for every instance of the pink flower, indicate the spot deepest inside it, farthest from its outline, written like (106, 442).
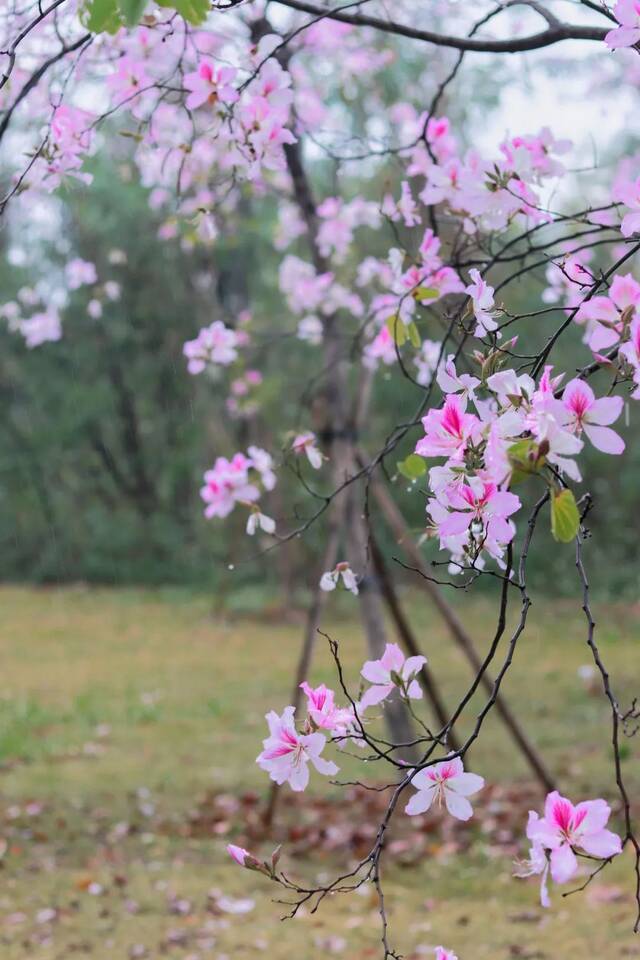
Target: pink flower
(631, 352)
(442, 954)
(326, 715)
(448, 431)
(320, 705)
(227, 483)
(129, 79)
(628, 192)
(382, 347)
(593, 416)
(444, 781)
(565, 828)
(482, 297)
(603, 315)
(287, 753)
(239, 854)
(80, 272)
(215, 344)
(210, 84)
(450, 381)
(43, 327)
(392, 671)
(478, 501)
(627, 13)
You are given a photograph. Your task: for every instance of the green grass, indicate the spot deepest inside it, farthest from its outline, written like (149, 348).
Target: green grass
(120, 710)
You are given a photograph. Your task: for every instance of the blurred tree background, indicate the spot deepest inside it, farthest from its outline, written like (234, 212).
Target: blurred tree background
(106, 436)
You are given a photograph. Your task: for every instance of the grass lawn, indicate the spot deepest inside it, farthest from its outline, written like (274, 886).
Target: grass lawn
(129, 723)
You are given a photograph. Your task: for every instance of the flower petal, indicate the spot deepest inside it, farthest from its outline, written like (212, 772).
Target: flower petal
(604, 843)
(563, 863)
(466, 784)
(605, 439)
(458, 806)
(420, 801)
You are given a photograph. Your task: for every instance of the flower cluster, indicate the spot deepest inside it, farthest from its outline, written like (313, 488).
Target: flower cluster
(215, 345)
(240, 480)
(518, 426)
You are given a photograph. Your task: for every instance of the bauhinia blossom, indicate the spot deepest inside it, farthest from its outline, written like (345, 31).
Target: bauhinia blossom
(227, 483)
(444, 782)
(329, 579)
(627, 13)
(585, 413)
(392, 671)
(460, 505)
(239, 854)
(324, 713)
(287, 754)
(448, 431)
(307, 443)
(565, 828)
(482, 299)
(215, 344)
(210, 85)
(259, 521)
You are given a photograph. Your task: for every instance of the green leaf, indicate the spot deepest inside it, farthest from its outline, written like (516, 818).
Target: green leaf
(132, 10)
(397, 329)
(524, 460)
(100, 16)
(413, 467)
(565, 517)
(426, 293)
(195, 11)
(414, 336)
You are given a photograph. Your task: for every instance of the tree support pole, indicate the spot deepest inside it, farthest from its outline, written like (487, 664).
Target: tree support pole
(401, 532)
(408, 638)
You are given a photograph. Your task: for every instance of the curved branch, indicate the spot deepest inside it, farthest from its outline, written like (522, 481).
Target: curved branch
(555, 32)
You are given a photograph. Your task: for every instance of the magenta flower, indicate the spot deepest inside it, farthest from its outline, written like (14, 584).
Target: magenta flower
(593, 416)
(448, 782)
(482, 502)
(443, 954)
(392, 670)
(325, 714)
(287, 753)
(565, 828)
(449, 430)
(320, 704)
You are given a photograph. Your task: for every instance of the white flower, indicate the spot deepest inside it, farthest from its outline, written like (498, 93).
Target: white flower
(260, 520)
(263, 463)
(329, 579)
(306, 443)
(310, 330)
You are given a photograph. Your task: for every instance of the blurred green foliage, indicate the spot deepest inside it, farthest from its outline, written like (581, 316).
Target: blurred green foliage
(105, 436)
